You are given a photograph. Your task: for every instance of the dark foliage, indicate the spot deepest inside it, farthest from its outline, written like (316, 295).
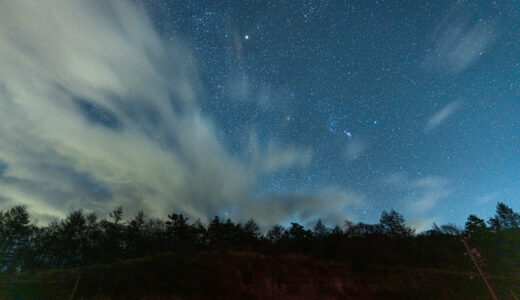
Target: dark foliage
(505, 218)
(82, 239)
(475, 224)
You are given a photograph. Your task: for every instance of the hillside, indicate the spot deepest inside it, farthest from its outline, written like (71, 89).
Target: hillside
(240, 275)
(156, 259)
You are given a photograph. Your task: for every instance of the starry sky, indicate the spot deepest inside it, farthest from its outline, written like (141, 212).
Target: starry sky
(279, 110)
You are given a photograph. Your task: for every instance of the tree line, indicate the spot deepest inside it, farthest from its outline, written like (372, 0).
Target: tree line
(83, 239)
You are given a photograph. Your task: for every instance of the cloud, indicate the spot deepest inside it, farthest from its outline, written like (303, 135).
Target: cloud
(427, 193)
(421, 195)
(490, 197)
(459, 42)
(3, 167)
(276, 159)
(395, 179)
(441, 115)
(330, 203)
(355, 149)
(422, 224)
(97, 111)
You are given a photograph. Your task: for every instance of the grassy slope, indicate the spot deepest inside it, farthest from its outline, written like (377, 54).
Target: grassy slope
(248, 276)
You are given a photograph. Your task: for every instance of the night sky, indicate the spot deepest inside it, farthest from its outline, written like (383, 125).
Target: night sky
(277, 110)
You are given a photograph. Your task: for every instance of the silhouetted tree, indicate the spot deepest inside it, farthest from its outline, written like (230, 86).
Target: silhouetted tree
(451, 229)
(231, 234)
(214, 233)
(134, 236)
(91, 239)
(15, 235)
(350, 229)
(71, 234)
(81, 239)
(276, 233)
(156, 236)
(251, 233)
(298, 233)
(113, 235)
(222, 235)
(116, 215)
(179, 228)
(320, 230)
(336, 231)
(505, 218)
(299, 238)
(435, 230)
(49, 245)
(392, 224)
(200, 232)
(475, 224)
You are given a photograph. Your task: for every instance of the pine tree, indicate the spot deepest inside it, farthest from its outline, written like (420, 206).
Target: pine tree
(475, 224)
(505, 218)
(392, 223)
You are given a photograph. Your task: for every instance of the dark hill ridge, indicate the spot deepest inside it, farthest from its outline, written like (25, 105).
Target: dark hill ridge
(144, 257)
(240, 275)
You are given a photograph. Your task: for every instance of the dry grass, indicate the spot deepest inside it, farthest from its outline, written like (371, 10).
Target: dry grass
(247, 275)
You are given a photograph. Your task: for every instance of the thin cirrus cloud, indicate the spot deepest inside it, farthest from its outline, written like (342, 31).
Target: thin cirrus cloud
(459, 41)
(275, 157)
(428, 192)
(331, 203)
(442, 115)
(97, 111)
(489, 197)
(421, 195)
(355, 149)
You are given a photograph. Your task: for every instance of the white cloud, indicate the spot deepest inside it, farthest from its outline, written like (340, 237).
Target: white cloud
(421, 195)
(442, 115)
(281, 159)
(97, 111)
(422, 224)
(459, 42)
(330, 203)
(275, 157)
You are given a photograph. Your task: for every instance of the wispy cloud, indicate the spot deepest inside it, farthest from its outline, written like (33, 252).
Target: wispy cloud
(442, 115)
(275, 157)
(422, 224)
(355, 149)
(98, 111)
(421, 195)
(331, 204)
(459, 41)
(487, 198)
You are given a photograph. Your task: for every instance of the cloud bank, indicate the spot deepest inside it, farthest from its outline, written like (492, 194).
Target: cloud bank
(97, 111)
